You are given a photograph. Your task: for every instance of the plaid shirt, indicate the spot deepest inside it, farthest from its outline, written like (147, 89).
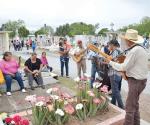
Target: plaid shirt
(112, 71)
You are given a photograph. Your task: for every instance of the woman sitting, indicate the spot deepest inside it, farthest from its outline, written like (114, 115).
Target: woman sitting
(33, 67)
(9, 67)
(44, 61)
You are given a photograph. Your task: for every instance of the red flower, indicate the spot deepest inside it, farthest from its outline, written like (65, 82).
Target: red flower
(69, 109)
(17, 119)
(8, 120)
(24, 122)
(97, 101)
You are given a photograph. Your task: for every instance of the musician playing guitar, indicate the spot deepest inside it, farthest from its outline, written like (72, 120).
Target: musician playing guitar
(81, 65)
(136, 67)
(114, 75)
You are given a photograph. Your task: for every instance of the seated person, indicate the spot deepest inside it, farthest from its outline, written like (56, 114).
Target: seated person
(44, 61)
(9, 67)
(33, 67)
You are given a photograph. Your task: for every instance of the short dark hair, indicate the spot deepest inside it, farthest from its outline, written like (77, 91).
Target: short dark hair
(114, 42)
(6, 54)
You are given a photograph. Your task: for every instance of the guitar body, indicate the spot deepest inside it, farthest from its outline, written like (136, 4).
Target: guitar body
(77, 58)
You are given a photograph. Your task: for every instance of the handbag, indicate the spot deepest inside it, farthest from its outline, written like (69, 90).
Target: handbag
(2, 80)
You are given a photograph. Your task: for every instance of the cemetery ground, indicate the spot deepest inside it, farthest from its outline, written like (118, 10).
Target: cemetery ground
(16, 102)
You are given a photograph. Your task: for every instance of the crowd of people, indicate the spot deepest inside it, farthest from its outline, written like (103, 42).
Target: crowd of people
(109, 70)
(20, 44)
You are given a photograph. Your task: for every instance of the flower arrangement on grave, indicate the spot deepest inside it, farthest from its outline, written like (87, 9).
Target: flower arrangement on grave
(58, 107)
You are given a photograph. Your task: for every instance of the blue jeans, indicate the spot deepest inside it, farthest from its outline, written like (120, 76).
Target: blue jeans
(8, 80)
(94, 69)
(64, 61)
(116, 96)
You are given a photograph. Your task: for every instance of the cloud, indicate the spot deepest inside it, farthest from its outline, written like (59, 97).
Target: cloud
(56, 12)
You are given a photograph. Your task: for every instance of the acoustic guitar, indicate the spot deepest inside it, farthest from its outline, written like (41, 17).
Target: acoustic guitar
(120, 58)
(77, 57)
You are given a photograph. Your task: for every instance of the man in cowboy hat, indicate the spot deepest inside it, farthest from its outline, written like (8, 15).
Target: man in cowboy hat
(135, 66)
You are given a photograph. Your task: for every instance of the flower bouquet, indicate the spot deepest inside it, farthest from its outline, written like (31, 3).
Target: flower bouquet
(15, 120)
(55, 109)
(90, 101)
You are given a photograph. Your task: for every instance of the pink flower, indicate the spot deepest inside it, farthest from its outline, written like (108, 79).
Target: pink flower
(8, 120)
(90, 93)
(96, 101)
(55, 89)
(24, 122)
(65, 95)
(104, 89)
(69, 109)
(40, 98)
(17, 119)
(83, 79)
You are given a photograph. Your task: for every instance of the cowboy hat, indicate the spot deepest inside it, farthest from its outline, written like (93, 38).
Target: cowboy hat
(132, 35)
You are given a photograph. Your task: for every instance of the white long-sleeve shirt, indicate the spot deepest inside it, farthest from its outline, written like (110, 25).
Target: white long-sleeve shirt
(135, 64)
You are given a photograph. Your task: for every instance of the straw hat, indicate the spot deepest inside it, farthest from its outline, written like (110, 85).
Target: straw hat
(132, 35)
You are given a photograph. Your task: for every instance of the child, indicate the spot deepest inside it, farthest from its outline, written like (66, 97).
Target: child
(45, 62)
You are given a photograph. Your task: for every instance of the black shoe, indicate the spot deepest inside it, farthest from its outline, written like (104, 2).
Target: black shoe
(32, 88)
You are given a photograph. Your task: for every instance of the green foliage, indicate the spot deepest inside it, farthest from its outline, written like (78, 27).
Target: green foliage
(63, 30)
(143, 27)
(103, 31)
(23, 32)
(45, 30)
(12, 26)
(78, 28)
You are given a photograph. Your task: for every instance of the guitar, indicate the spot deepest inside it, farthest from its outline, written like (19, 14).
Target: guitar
(120, 58)
(77, 57)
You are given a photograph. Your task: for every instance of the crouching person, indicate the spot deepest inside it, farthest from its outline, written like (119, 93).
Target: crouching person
(9, 67)
(33, 67)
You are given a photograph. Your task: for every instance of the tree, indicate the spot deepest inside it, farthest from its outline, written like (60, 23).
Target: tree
(45, 30)
(78, 28)
(23, 32)
(63, 30)
(82, 28)
(13, 26)
(103, 31)
(143, 26)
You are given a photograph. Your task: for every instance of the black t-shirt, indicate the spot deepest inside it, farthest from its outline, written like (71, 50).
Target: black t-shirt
(33, 66)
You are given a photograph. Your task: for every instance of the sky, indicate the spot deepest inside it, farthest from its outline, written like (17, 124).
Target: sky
(36, 13)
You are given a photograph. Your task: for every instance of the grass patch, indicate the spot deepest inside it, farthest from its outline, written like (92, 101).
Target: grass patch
(70, 83)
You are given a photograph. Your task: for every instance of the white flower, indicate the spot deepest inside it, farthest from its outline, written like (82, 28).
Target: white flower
(13, 122)
(79, 106)
(59, 112)
(54, 97)
(39, 104)
(77, 79)
(31, 98)
(49, 91)
(96, 85)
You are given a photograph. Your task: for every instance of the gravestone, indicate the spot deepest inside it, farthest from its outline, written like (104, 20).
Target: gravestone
(4, 41)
